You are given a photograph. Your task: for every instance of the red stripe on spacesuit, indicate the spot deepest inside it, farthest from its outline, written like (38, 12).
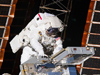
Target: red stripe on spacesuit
(57, 38)
(40, 16)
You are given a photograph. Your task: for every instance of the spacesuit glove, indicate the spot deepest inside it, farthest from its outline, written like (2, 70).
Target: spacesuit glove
(57, 50)
(42, 54)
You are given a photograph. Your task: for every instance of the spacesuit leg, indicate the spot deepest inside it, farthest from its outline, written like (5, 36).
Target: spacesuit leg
(27, 54)
(20, 73)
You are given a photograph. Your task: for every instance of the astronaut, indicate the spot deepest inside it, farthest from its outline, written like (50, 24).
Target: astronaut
(39, 37)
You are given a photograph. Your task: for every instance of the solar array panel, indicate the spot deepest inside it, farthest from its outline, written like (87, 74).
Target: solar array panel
(95, 28)
(4, 10)
(97, 52)
(92, 65)
(5, 1)
(90, 72)
(3, 21)
(98, 6)
(4, 13)
(1, 32)
(96, 17)
(94, 39)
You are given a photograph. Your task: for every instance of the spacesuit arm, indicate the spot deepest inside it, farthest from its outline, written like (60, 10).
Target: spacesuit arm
(37, 46)
(58, 46)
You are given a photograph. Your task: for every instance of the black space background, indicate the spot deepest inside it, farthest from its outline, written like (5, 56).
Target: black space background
(76, 24)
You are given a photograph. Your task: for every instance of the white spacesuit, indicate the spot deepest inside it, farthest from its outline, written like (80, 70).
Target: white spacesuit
(39, 34)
